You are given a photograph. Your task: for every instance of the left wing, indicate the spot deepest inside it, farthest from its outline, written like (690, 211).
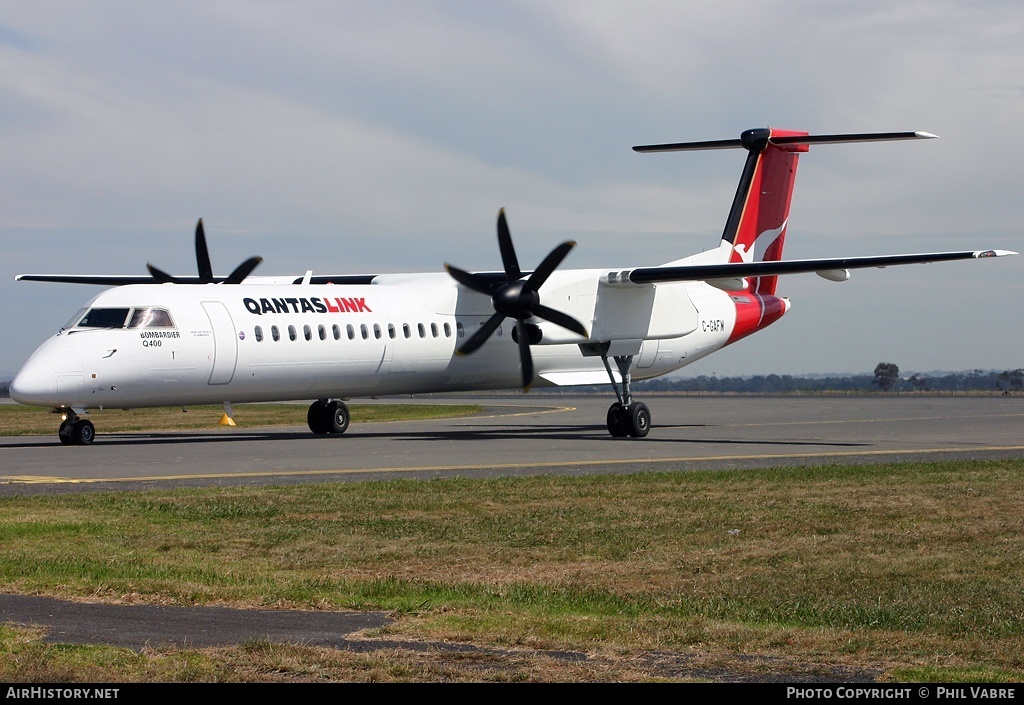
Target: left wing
(98, 279)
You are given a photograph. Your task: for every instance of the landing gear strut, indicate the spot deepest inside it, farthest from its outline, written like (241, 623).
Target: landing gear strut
(626, 417)
(326, 416)
(76, 431)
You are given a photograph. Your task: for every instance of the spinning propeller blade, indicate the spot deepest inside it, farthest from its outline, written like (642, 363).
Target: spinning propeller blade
(203, 255)
(517, 298)
(204, 267)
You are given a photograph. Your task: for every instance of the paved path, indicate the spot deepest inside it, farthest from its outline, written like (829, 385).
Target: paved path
(137, 626)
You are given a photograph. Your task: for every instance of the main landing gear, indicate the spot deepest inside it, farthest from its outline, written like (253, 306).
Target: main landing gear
(626, 417)
(327, 416)
(76, 431)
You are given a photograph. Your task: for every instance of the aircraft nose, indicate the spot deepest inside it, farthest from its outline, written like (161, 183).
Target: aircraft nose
(34, 383)
(51, 377)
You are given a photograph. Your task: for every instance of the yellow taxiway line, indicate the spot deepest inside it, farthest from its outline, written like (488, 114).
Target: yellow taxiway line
(49, 479)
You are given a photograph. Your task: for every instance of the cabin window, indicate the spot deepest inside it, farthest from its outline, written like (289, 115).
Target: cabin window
(275, 333)
(405, 330)
(422, 330)
(351, 332)
(498, 331)
(307, 332)
(459, 329)
(292, 335)
(259, 334)
(376, 331)
(323, 332)
(336, 329)
(433, 329)
(363, 331)
(104, 318)
(150, 318)
(447, 330)
(391, 330)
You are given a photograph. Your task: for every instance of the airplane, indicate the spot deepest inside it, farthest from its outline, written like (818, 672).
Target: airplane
(165, 340)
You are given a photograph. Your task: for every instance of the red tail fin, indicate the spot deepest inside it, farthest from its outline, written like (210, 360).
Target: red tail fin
(756, 228)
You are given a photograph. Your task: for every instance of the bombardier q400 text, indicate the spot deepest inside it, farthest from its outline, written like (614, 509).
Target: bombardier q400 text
(152, 341)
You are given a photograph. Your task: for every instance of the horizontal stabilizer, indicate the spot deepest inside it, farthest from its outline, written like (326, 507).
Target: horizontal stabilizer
(787, 140)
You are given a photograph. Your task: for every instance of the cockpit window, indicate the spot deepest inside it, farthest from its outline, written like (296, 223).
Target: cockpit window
(103, 318)
(74, 319)
(150, 318)
(119, 318)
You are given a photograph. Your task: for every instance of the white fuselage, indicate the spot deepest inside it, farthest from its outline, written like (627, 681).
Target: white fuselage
(183, 345)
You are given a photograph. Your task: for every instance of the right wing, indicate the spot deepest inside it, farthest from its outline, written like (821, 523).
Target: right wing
(830, 268)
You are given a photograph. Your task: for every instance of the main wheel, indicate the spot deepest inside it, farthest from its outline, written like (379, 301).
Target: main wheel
(338, 417)
(319, 418)
(616, 421)
(638, 418)
(83, 432)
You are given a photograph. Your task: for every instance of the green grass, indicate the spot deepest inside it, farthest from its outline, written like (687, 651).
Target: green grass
(17, 420)
(913, 571)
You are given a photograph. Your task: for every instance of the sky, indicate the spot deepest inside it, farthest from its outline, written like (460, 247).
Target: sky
(384, 136)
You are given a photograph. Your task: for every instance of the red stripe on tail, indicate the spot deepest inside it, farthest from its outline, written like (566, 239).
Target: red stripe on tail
(761, 231)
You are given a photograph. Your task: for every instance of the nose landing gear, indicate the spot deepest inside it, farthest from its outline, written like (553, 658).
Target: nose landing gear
(326, 416)
(76, 431)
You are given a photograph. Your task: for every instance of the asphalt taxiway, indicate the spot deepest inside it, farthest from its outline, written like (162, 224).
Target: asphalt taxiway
(531, 434)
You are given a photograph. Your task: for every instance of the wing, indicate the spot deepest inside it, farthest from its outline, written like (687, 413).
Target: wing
(100, 279)
(156, 275)
(830, 268)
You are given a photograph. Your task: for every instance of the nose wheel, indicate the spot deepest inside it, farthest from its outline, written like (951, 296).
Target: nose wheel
(326, 416)
(76, 431)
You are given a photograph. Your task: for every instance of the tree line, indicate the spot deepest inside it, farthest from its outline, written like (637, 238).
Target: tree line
(886, 377)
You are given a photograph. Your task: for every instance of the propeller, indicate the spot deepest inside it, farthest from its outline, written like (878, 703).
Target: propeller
(205, 268)
(516, 298)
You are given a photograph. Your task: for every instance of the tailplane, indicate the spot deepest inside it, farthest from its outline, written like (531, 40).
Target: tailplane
(756, 228)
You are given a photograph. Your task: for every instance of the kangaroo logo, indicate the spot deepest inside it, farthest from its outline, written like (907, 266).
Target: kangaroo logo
(761, 242)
